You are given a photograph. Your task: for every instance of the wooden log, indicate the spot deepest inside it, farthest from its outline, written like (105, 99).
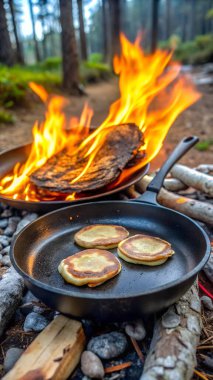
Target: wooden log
(190, 207)
(193, 178)
(205, 168)
(54, 353)
(172, 354)
(174, 184)
(11, 289)
(132, 193)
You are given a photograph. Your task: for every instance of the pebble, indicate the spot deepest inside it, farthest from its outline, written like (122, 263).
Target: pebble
(207, 302)
(5, 261)
(208, 269)
(6, 250)
(170, 319)
(12, 225)
(35, 322)
(108, 346)
(91, 365)
(26, 220)
(136, 330)
(6, 213)
(11, 357)
(3, 223)
(4, 241)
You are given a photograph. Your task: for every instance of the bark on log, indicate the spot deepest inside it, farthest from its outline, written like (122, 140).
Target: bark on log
(205, 168)
(11, 289)
(190, 207)
(174, 184)
(193, 178)
(172, 353)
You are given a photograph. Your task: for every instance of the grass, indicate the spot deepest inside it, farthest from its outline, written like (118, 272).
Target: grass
(204, 145)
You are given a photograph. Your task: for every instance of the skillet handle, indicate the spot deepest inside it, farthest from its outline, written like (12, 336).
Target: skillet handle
(150, 195)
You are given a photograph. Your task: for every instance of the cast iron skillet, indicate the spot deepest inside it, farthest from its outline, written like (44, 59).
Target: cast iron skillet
(39, 248)
(8, 160)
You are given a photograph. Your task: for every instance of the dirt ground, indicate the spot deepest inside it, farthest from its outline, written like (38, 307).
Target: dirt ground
(197, 120)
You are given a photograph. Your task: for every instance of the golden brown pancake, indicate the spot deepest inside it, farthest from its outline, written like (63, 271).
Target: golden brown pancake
(91, 266)
(144, 249)
(101, 236)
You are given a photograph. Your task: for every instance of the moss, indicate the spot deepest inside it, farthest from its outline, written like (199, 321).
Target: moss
(204, 145)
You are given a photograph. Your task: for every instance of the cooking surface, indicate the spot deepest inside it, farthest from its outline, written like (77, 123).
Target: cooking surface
(53, 240)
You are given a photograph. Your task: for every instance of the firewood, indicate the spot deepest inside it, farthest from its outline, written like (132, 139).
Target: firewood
(193, 208)
(131, 192)
(54, 353)
(205, 168)
(173, 184)
(193, 178)
(59, 173)
(11, 289)
(172, 353)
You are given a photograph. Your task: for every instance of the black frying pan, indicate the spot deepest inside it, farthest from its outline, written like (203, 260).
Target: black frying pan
(8, 160)
(39, 248)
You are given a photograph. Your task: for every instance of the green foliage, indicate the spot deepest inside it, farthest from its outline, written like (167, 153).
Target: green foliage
(193, 52)
(204, 145)
(91, 72)
(51, 63)
(96, 57)
(210, 14)
(6, 117)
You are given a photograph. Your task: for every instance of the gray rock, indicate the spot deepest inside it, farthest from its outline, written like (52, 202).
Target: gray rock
(3, 223)
(5, 261)
(170, 319)
(35, 322)
(6, 250)
(29, 298)
(136, 330)
(91, 365)
(108, 346)
(0, 257)
(6, 213)
(11, 357)
(26, 220)
(12, 225)
(4, 241)
(208, 269)
(207, 302)
(26, 308)
(11, 288)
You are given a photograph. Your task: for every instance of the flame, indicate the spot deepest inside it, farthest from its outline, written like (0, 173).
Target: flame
(152, 95)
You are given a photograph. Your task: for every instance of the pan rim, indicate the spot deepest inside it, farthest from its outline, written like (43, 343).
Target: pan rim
(52, 289)
(59, 204)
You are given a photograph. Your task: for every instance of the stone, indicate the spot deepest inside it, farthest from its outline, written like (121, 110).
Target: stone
(26, 220)
(11, 357)
(4, 241)
(91, 365)
(5, 251)
(3, 223)
(136, 330)
(35, 322)
(170, 319)
(26, 308)
(5, 261)
(29, 298)
(108, 346)
(6, 213)
(207, 302)
(12, 225)
(11, 289)
(208, 269)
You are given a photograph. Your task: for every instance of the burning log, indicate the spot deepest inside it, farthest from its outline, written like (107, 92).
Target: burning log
(63, 172)
(193, 178)
(193, 208)
(176, 335)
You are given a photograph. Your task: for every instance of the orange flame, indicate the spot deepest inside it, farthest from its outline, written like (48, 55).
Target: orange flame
(153, 94)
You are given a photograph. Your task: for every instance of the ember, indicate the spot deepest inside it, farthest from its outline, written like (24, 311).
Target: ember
(153, 94)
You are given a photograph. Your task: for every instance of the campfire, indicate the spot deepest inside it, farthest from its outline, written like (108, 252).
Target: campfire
(68, 159)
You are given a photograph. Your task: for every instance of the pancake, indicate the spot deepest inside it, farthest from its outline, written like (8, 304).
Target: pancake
(101, 236)
(91, 266)
(144, 249)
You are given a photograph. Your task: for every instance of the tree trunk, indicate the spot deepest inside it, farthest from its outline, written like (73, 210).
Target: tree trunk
(168, 18)
(154, 33)
(82, 31)
(6, 53)
(69, 48)
(37, 53)
(193, 19)
(105, 23)
(115, 14)
(19, 50)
